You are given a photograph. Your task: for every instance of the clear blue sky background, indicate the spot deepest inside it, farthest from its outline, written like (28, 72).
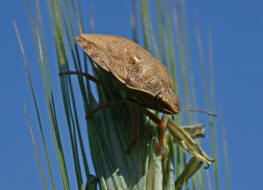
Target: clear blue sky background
(237, 29)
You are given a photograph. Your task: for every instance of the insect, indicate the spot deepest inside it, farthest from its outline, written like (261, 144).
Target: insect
(145, 80)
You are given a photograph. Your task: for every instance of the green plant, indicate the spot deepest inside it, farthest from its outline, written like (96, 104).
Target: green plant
(111, 131)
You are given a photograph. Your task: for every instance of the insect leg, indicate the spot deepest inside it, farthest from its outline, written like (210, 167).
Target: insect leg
(155, 119)
(135, 139)
(88, 77)
(104, 106)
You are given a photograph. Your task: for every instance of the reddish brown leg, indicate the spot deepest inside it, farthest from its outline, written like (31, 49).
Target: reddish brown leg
(162, 127)
(135, 139)
(104, 106)
(88, 77)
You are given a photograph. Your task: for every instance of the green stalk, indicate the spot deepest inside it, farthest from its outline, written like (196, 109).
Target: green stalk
(38, 117)
(52, 112)
(35, 147)
(212, 124)
(225, 149)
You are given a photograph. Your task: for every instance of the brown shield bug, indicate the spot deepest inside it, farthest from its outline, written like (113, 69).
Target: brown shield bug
(145, 80)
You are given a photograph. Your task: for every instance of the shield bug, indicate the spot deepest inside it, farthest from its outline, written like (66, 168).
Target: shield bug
(145, 80)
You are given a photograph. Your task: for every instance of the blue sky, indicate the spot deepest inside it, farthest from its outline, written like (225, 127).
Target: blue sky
(237, 28)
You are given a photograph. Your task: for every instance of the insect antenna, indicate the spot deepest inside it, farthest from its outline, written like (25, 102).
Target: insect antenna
(200, 111)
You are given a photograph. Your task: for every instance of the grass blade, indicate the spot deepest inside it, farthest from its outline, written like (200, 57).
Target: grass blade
(212, 123)
(51, 105)
(225, 149)
(35, 147)
(36, 106)
(191, 168)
